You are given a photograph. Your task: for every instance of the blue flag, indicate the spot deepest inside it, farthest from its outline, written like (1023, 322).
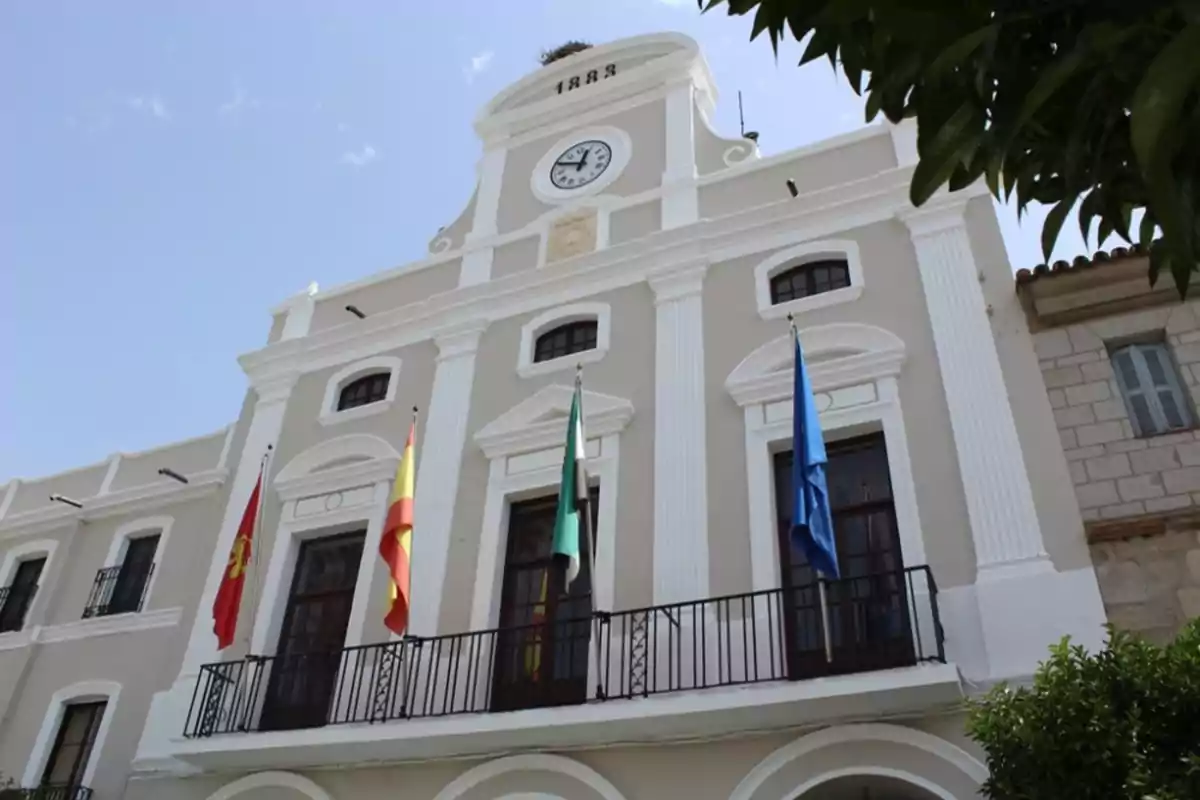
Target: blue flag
(812, 525)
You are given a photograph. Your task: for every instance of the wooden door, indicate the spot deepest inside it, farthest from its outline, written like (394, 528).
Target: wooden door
(541, 656)
(305, 670)
(868, 615)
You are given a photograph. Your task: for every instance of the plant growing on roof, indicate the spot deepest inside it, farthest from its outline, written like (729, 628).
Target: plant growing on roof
(570, 48)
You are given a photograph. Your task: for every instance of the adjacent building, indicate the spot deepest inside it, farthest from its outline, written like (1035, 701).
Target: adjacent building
(611, 231)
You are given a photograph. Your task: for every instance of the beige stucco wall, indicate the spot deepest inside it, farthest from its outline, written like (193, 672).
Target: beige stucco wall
(515, 257)
(893, 300)
(1151, 584)
(709, 770)
(78, 484)
(860, 156)
(187, 458)
(627, 371)
(646, 126)
(409, 286)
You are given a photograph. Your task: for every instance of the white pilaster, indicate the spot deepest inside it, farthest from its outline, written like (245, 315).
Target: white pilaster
(1024, 605)
(438, 471)
(266, 422)
(299, 314)
(680, 200)
(477, 263)
(1004, 521)
(680, 456)
(10, 493)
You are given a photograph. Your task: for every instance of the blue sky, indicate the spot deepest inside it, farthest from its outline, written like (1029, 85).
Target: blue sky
(171, 170)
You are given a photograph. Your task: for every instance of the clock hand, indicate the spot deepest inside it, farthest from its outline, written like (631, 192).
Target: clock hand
(583, 160)
(567, 163)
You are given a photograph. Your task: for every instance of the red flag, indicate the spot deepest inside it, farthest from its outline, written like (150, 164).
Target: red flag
(229, 595)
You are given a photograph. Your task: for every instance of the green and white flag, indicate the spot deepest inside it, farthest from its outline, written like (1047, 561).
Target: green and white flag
(572, 497)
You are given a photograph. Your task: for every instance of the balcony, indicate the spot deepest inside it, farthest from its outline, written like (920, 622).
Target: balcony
(47, 793)
(641, 669)
(118, 590)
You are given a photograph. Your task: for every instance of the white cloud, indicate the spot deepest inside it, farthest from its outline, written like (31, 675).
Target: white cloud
(152, 104)
(479, 65)
(241, 101)
(677, 3)
(359, 158)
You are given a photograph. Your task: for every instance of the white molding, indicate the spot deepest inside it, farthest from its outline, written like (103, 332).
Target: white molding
(84, 691)
(904, 776)
(439, 467)
(271, 780)
(15, 640)
(618, 141)
(680, 193)
(528, 762)
(299, 309)
(134, 500)
(21, 552)
(114, 463)
(904, 142)
(10, 493)
(771, 266)
(539, 421)
(350, 447)
(811, 745)
(360, 369)
(1004, 522)
(852, 391)
(749, 231)
(487, 203)
(226, 446)
(358, 473)
(681, 563)
(526, 429)
(530, 331)
(108, 625)
(266, 422)
(161, 525)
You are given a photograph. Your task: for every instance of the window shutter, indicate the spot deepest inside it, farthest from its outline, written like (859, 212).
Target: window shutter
(1152, 389)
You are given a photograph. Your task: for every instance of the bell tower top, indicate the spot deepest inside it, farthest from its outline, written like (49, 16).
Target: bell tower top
(572, 87)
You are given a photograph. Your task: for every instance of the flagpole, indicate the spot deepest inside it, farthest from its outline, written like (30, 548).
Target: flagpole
(821, 591)
(584, 494)
(401, 681)
(258, 518)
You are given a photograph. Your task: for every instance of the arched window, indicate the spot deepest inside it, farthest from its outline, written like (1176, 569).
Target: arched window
(573, 337)
(363, 391)
(808, 279)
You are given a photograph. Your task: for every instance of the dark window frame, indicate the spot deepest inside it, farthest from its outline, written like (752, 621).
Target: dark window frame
(809, 278)
(19, 595)
(364, 390)
(96, 709)
(565, 339)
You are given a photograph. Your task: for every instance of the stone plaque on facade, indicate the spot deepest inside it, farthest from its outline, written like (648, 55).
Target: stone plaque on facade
(571, 235)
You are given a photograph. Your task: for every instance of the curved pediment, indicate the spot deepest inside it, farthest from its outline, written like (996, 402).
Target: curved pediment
(341, 451)
(837, 355)
(613, 60)
(540, 421)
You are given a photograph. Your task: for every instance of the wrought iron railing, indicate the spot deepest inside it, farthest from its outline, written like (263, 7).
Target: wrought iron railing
(14, 605)
(880, 621)
(118, 590)
(47, 793)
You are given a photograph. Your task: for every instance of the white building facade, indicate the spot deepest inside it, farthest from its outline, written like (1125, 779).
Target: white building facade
(613, 229)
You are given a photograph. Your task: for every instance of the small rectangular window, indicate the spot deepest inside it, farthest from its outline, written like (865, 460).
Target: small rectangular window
(73, 746)
(16, 598)
(1152, 389)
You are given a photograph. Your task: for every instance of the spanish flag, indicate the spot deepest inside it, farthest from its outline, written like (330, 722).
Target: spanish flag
(229, 595)
(396, 544)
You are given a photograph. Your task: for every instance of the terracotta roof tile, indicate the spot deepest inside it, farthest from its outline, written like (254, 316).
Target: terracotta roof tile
(1079, 263)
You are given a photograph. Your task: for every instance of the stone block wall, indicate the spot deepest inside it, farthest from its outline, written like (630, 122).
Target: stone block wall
(1150, 584)
(1116, 474)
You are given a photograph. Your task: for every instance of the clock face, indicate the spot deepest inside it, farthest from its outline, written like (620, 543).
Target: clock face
(580, 164)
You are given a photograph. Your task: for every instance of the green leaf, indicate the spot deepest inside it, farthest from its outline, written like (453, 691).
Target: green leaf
(1054, 223)
(1160, 95)
(953, 56)
(944, 153)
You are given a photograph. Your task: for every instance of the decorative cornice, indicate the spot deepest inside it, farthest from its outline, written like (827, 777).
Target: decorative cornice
(754, 230)
(126, 501)
(943, 211)
(106, 626)
(458, 340)
(678, 282)
(510, 433)
(825, 376)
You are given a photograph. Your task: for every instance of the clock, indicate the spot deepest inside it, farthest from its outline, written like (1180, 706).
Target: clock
(580, 164)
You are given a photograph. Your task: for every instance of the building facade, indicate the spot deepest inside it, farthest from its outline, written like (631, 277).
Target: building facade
(1121, 362)
(614, 232)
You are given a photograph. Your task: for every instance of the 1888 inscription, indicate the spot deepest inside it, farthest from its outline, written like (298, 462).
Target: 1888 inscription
(591, 76)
